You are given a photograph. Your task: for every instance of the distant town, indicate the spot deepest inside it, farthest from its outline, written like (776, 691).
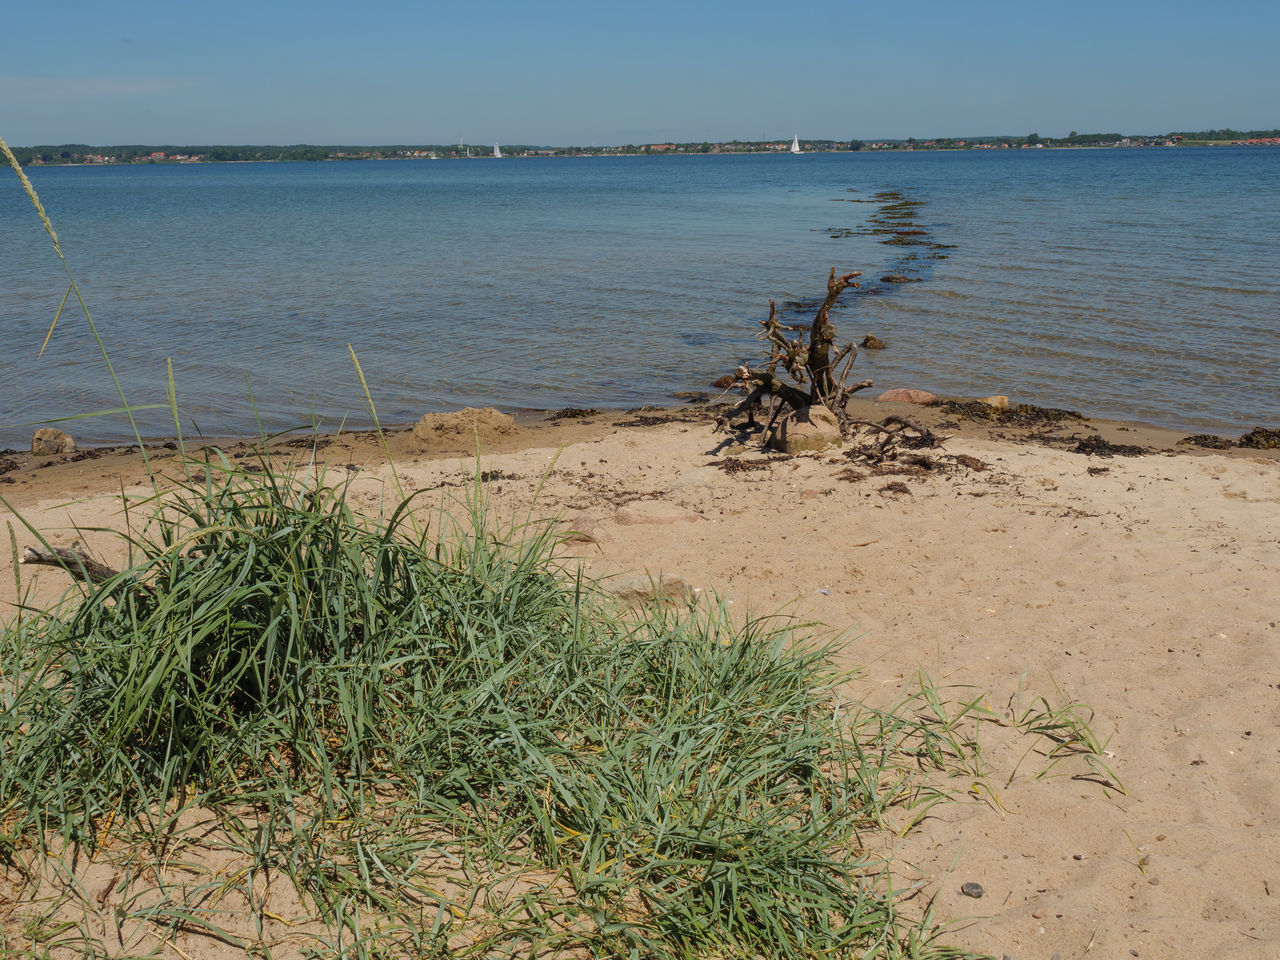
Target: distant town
(76, 153)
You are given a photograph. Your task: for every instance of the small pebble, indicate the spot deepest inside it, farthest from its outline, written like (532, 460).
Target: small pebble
(1056, 956)
(1154, 881)
(1038, 914)
(972, 890)
(1133, 953)
(1077, 856)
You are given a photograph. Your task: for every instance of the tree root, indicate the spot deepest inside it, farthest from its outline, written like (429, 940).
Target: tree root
(891, 437)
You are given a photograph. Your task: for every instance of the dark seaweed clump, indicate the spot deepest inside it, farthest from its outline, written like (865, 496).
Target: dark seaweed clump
(1260, 438)
(735, 465)
(1095, 446)
(573, 413)
(1209, 441)
(1018, 415)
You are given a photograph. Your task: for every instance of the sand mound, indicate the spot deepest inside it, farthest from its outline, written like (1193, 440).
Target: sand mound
(461, 429)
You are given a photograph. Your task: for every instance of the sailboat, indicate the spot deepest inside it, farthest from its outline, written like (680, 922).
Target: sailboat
(497, 152)
(795, 144)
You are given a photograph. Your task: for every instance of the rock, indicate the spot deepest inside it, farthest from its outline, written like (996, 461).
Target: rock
(895, 278)
(999, 402)
(812, 428)
(581, 529)
(646, 588)
(463, 427)
(871, 343)
(690, 395)
(723, 383)
(48, 441)
(653, 511)
(906, 395)
(972, 890)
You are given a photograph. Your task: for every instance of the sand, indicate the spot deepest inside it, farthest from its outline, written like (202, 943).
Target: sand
(1145, 587)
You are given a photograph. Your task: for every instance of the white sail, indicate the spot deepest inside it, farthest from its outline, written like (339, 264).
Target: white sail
(795, 143)
(497, 152)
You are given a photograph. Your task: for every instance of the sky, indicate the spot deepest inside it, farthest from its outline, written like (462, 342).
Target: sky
(601, 72)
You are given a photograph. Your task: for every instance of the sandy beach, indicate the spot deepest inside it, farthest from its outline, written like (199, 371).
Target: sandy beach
(1144, 587)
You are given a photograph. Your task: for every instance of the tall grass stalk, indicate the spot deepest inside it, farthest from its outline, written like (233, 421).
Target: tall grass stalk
(73, 287)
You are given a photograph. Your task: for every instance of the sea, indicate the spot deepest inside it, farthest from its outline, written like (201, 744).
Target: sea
(1132, 284)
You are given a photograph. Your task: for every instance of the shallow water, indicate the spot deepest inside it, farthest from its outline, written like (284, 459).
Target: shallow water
(1134, 284)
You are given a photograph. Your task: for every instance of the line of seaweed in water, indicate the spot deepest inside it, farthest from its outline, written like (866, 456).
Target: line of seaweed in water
(894, 223)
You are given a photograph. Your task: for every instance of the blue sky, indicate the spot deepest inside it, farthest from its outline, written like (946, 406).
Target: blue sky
(279, 71)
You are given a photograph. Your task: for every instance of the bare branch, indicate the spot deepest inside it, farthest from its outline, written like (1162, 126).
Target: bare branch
(71, 560)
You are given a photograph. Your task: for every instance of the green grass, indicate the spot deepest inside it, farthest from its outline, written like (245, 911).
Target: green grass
(440, 739)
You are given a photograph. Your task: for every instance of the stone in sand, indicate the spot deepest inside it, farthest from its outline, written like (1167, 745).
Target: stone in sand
(870, 342)
(1000, 402)
(810, 428)
(644, 588)
(906, 395)
(653, 511)
(581, 529)
(48, 440)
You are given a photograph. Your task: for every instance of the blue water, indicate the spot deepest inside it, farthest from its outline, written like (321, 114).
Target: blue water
(1132, 284)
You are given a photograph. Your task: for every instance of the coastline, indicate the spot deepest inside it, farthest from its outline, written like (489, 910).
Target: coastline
(1142, 586)
(41, 475)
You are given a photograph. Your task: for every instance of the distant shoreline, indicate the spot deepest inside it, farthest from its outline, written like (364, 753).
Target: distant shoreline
(42, 156)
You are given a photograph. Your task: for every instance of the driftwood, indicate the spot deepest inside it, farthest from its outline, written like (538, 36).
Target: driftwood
(71, 560)
(896, 432)
(816, 364)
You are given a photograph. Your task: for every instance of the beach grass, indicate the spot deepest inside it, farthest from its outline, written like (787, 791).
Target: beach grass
(442, 741)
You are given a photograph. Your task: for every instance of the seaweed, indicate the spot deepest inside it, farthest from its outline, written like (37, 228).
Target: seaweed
(1094, 445)
(1018, 415)
(573, 413)
(1209, 441)
(1260, 438)
(735, 465)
